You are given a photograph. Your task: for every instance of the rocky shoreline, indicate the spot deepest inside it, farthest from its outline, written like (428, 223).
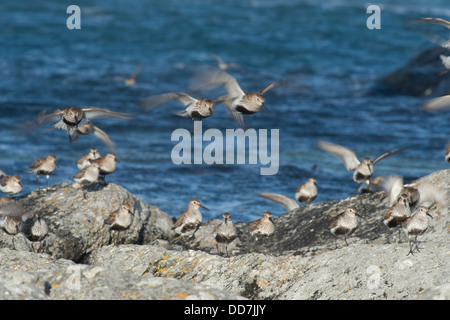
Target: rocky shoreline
(82, 259)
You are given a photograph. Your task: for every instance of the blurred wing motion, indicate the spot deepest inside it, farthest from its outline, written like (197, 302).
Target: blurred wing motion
(437, 104)
(440, 21)
(152, 102)
(288, 203)
(392, 186)
(387, 154)
(347, 156)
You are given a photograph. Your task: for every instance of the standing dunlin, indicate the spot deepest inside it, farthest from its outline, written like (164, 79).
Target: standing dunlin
(197, 109)
(106, 164)
(344, 224)
(84, 161)
(86, 176)
(69, 119)
(36, 230)
(87, 128)
(263, 227)
(189, 221)
(397, 213)
(416, 225)
(364, 169)
(237, 101)
(225, 232)
(43, 167)
(120, 219)
(12, 216)
(11, 185)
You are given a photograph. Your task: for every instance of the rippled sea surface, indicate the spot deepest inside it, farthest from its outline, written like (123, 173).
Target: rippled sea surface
(323, 49)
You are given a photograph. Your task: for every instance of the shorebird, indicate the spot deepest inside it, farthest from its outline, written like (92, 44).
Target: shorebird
(131, 80)
(237, 101)
(304, 194)
(11, 185)
(197, 109)
(225, 232)
(69, 119)
(86, 176)
(416, 225)
(364, 169)
(120, 219)
(84, 161)
(397, 213)
(43, 167)
(263, 227)
(189, 221)
(106, 164)
(344, 224)
(224, 65)
(12, 216)
(37, 228)
(87, 128)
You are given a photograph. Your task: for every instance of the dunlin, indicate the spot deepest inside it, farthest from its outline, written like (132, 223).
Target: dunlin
(197, 109)
(43, 167)
(397, 213)
(364, 169)
(120, 219)
(69, 119)
(344, 224)
(84, 161)
(106, 164)
(131, 80)
(88, 127)
(86, 176)
(307, 191)
(263, 227)
(237, 101)
(189, 221)
(304, 194)
(37, 228)
(11, 185)
(372, 185)
(225, 232)
(224, 65)
(416, 225)
(12, 216)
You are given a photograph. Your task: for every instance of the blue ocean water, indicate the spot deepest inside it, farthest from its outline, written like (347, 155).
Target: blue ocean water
(324, 50)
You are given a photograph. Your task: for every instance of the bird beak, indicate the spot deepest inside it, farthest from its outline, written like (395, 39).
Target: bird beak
(360, 216)
(264, 105)
(428, 214)
(270, 219)
(203, 207)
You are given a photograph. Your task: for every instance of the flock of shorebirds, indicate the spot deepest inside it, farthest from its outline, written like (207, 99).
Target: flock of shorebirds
(408, 204)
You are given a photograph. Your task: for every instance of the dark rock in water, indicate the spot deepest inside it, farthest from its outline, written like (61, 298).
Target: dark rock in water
(76, 225)
(423, 75)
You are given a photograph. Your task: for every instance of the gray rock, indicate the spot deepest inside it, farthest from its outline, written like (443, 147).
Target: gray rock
(77, 225)
(422, 75)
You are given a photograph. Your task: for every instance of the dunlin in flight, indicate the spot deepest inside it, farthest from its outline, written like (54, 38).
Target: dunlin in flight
(69, 119)
(344, 224)
(197, 109)
(11, 185)
(304, 194)
(43, 167)
(416, 225)
(189, 221)
(88, 127)
(238, 102)
(225, 232)
(224, 65)
(131, 80)
(263, 227)
(364, 169)
(120, 219)
(84, 161)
